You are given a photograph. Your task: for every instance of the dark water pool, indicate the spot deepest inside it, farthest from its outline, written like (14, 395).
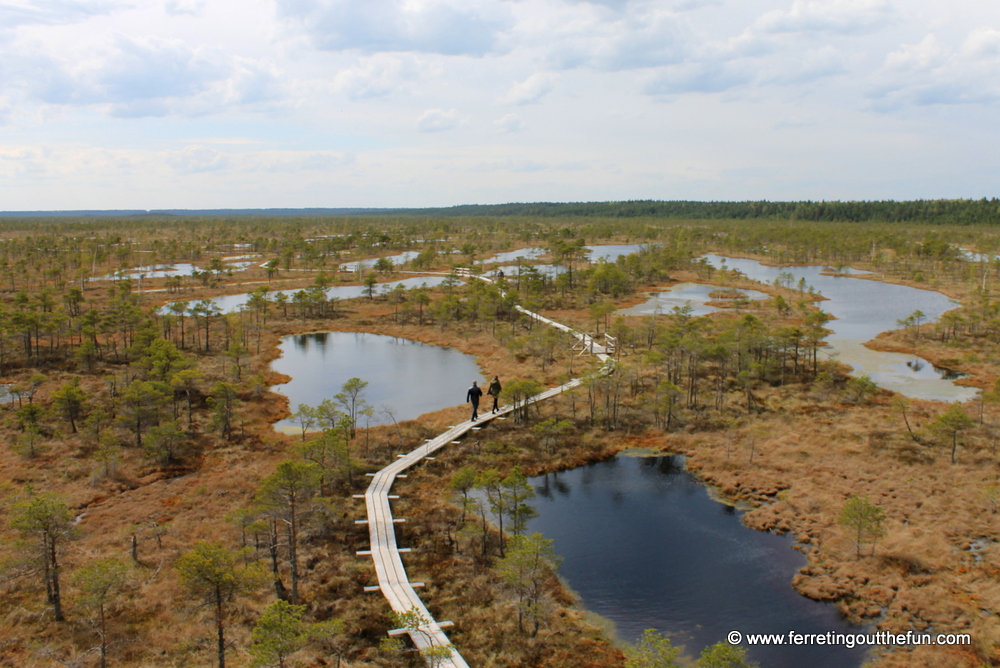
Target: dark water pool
(645, 545)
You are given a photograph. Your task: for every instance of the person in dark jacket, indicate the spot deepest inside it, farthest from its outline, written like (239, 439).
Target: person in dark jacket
(494, 391)
(472, 396)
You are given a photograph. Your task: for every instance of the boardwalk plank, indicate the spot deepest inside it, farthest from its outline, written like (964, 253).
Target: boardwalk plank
(389, 569)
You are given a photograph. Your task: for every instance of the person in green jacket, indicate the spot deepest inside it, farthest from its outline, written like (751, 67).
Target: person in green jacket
(494, 391)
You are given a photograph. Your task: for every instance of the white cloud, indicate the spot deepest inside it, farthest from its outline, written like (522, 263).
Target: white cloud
(982, 43)
(195, 159)
(509, 123)
(375, 76)
(813, 65)
(52, 12)
(838, 16)
(282, 100)
(21, 162)
(934, 73)
(184, 7)
(690, 5)
(644, 35)
(438, 120)
(654, 39)
(152, 68)
(450, 27)
(613, 4)
(251, 82)
(531, 90)
(926, 55)
(294, 163)
(706, 77)
(511, 166)
(142, 76)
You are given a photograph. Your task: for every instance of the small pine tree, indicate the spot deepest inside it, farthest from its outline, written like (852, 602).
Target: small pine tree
(864, 520)
(724, 655)
(279, 633)
(652, 651)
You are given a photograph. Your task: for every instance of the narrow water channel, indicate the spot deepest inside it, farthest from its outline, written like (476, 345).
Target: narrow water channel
(645, 545)
(863, 309)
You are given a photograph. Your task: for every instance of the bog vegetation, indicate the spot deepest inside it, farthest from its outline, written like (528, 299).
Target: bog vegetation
(151, 515)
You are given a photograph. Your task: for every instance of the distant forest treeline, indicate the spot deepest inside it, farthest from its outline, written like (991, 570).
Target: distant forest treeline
(938, 211)
(962, 212)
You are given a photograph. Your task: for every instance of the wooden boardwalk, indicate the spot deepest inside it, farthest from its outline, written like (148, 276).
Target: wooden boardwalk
(393, 582)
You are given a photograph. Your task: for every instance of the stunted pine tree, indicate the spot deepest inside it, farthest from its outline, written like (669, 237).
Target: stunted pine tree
(330, 454)
(217, 574)
(70, 401)
(950, 423)
(279, 633)
(864, 520)
(186, 382)
(462, 482)
(519, 394)
(224, 401)
(285, 495)
(306, 417)
(352, 399)
(140, 405)
(491, 482)
(518, 490)
(416, 623)
(724, 655)
(525, 569)
(651, 651)
(102, 584)
(166, 443)
(46, 522)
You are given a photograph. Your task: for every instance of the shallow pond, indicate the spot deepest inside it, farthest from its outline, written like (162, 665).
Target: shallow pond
(511, 256)
(644, 544)
(410, 377)
(611, 252)
(864, 308)
(607, 252)
(233, 303)
(153, 271)
(178, 269)
(512, 271)
(401, 258)
(695, 295)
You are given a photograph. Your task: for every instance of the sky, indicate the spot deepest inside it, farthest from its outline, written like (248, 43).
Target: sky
(115, 104)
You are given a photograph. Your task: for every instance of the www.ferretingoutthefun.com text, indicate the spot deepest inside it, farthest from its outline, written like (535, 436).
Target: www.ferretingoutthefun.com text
(849, 639)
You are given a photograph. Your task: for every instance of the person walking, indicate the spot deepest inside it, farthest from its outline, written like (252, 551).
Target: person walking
(494, 391)
(473, 396)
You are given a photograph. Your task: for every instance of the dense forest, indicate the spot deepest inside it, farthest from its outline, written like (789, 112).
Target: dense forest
(939, 212)
(944, 212)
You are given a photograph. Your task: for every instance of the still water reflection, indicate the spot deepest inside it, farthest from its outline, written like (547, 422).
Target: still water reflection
(606, 252)
(645, 546)
(695, 295)
(863, 309)
(234, 303)
(411, 377)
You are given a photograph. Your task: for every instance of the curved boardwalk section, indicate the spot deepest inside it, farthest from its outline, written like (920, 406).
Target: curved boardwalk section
(392, 579)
